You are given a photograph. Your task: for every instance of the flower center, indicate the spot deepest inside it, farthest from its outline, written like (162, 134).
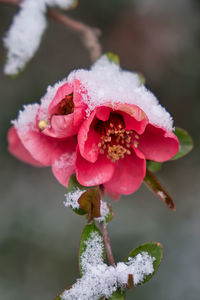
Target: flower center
(115, 139)
(66, 106)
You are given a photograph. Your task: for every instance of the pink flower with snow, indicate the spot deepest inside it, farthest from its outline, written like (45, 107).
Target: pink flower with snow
(113, 145)
(102, 124)
(45, 134)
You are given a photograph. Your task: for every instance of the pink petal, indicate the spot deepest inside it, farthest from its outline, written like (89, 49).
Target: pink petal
(61, 126)
(18, 150)
(103, 112)
(158, 144)
(62, 92)
(134, 118)
(63, 165)
(128, 175)
(88, 140)
(89, 174)
(41, 147)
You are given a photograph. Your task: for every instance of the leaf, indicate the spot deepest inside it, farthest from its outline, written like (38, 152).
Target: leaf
(154, 249)
(186, 143)
(110, 215)
(86, 235)
(118, 295)
(90, 202)
(73, 185)
(155, 186)
(153, 166)
(113, 57)
(142, 78)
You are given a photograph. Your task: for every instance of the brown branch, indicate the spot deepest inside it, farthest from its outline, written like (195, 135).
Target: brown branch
(107, 244)
(89, 35)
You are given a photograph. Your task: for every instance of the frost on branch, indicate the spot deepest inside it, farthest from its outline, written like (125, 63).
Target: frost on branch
(100, 280)
(25, 34)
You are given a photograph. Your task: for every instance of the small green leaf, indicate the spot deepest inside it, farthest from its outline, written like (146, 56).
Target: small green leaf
(155, 186)
(113, 57)
(154, 250)
(74, 184)
(86, 235)
(110, 215)
(153, 166)
(142, 78)
(186, 143)
(118, 295)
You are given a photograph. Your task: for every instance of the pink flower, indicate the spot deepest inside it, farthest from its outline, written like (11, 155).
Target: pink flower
(50, 141)
(113, 145)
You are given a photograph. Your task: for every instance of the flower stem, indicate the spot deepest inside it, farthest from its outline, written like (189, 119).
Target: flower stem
(106, 239)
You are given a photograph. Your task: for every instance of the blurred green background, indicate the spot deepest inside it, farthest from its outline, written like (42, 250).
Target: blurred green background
(39, 238)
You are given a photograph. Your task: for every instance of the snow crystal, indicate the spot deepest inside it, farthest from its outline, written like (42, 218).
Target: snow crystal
(92, 256)
(25, 34)
(107, 82)
(26, 118)
(60, 3)
(101, 280)
(104, 211)
(23, 38)
(140, 266)
(72, 198)
(64, 161)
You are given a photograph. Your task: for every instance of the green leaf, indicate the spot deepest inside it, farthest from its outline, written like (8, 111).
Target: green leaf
(74, 184)
(155, 250)
(142, 78)
(118, 295)
(110, 215)
(155, 186)
(186, 143)
(86, 235)
(113, 57)
(153, 166)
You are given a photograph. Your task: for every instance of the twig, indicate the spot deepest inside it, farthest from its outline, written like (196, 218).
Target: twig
(107, 244)
(89, 35)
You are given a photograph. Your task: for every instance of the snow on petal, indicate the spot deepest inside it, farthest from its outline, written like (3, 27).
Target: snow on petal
(106, 82)
(47, 99)
(26, 118)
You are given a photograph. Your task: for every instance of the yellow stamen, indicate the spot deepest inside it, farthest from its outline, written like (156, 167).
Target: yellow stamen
(42, 124)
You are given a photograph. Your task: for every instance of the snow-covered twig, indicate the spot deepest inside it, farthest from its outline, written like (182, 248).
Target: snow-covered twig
(25, 34)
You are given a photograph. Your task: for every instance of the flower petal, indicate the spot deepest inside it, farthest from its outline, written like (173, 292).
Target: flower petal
(61, 126)
(43, 148)
(134, 117)
(128, 175)
(63, 165)
(158, 144)
(89, 174)
(18, 150)
(62, 92)
(88, 140)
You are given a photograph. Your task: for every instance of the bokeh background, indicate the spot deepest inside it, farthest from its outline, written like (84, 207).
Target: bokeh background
(39, 237)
